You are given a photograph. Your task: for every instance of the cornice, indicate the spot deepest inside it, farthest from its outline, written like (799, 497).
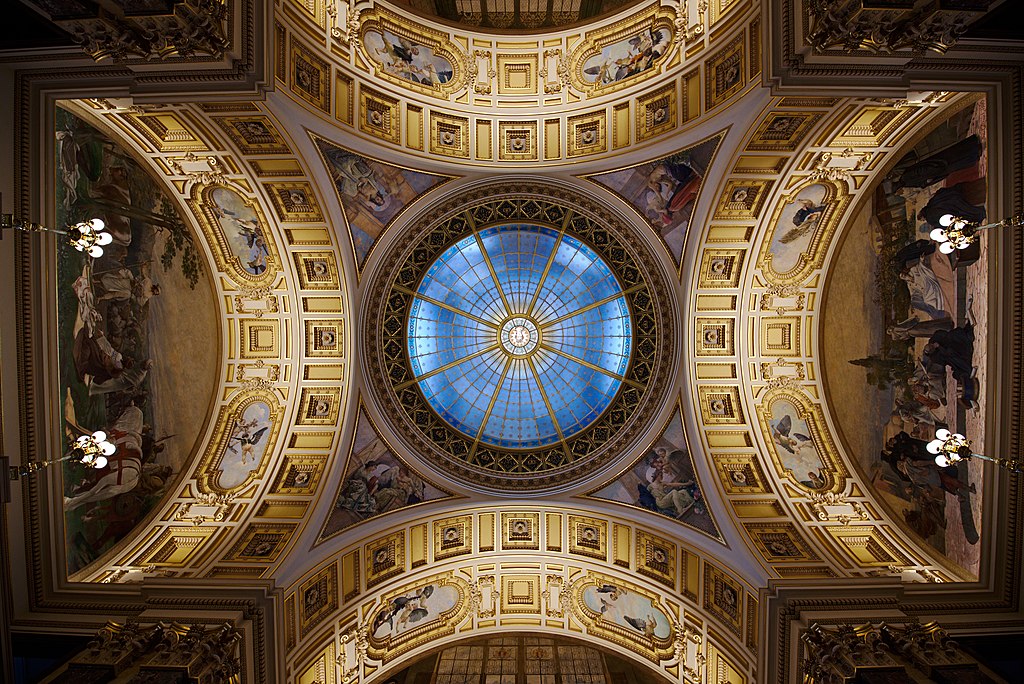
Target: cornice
(243, 72)
(791, 68)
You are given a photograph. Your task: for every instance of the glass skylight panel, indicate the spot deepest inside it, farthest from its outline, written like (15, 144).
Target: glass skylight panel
(523, 343)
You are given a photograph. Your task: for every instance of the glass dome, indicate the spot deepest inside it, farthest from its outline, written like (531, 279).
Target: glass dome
(519, 336)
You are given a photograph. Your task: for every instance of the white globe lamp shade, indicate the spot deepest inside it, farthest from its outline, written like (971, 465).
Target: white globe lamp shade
(946, 248)
(934, 446)
(97, 224)
(101, 462)
(96, 251)
(946, 220)
(943, 434)
(938, 235)
(104, 238)
(108, 449)
(942, 461)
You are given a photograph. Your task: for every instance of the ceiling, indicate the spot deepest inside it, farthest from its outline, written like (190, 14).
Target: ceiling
(581, 332)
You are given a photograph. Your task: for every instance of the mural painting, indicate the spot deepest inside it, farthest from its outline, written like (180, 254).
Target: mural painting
(794, 446)
(246, 443)
(664, 481)
(375, 482)
(128, 322)
(371, 192)
(796, 226)
(413, 609)
(407, 59)
(665, 191)
(628, 609)
(627, 57)
(242, 229)
(913, 343)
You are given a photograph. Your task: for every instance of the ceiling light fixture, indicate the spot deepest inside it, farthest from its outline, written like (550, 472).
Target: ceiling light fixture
(89, 450)
(87, 236)
(959, 233)
(951, 447)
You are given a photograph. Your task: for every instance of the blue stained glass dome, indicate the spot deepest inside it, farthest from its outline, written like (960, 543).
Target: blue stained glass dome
(519, 336)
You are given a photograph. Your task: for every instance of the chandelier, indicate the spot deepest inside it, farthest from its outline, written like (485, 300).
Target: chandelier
(87, 236)
(959, 233)
(950, 448)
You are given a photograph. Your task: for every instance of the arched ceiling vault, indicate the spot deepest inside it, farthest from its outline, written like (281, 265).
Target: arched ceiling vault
(745, 296)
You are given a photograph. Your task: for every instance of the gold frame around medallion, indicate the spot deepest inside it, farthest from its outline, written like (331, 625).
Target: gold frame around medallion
(200, 204)
(208, 472)
(654, 18)
(837, 199)
(379, 20)
(834, 473)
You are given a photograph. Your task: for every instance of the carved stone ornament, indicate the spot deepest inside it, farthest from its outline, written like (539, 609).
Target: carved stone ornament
(685, 31)
(193, 27)
(200, 652)
(835, 654)
(345, 28)
(852, 25)
(358, 636)
(192, 167)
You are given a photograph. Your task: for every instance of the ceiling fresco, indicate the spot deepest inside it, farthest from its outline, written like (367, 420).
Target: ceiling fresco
(126, 322)
(458, 334)
(371, 193)
(919, 365)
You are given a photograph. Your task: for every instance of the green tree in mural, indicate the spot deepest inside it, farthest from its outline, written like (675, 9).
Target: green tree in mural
(885, 371)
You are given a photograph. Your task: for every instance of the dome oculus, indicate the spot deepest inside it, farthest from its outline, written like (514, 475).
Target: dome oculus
(519, 336)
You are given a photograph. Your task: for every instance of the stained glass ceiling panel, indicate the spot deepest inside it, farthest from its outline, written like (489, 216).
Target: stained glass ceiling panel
(519, 336)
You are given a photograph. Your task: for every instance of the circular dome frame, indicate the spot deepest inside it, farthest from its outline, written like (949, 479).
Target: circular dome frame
(393, 383)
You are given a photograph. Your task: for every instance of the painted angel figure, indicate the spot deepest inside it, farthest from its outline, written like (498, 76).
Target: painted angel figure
(243, 434)
(783, 435)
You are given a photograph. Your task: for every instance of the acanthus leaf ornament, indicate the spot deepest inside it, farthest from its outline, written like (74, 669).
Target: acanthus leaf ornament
(347, 29)
(213, 174)
(361, 642)
(561, 64)
(472, 59)
(851, 510)
(684, 32)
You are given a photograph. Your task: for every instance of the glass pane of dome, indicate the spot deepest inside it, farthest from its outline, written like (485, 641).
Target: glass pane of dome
(519, 336)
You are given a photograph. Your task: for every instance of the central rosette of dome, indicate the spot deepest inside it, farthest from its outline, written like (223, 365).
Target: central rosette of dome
(519, 336)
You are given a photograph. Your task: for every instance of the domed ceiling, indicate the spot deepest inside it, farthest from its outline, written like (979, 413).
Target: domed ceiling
(458, 331)
(533, 333)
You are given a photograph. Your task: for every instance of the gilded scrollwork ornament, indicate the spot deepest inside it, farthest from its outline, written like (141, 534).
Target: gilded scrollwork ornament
(345, 24)
(685, 32)
(838, 166)
(359, 637)
(556, 57)
(190, 165)
(480, 85)
(834, 507)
